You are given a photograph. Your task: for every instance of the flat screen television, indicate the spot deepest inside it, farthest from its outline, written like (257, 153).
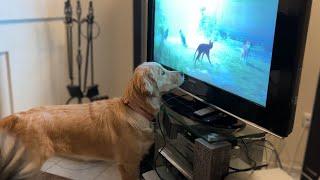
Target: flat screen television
(242, 56)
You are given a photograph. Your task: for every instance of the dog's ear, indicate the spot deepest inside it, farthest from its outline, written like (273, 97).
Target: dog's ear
(144, 83)
(148, 88)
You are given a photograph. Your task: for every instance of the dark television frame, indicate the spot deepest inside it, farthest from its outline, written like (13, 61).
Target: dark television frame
(288, 52)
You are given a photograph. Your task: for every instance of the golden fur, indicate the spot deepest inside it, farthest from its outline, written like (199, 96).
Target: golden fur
(103, 130)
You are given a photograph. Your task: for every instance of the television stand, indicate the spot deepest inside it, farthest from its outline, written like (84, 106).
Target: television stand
(188, 148)
(196, 110)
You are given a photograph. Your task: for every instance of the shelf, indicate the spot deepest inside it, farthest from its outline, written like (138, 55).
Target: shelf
(163, 172)
(209, 133)
(177, 162)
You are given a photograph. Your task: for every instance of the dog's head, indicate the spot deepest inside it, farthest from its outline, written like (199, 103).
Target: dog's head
(151, 79)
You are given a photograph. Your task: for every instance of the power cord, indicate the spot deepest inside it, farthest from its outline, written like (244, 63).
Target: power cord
(235, 170)
(254, 166)
(247, 154)
(272, 148)
(253, 162)
(276, 153)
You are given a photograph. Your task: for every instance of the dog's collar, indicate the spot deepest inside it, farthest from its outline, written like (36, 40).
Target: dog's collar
(139, 110)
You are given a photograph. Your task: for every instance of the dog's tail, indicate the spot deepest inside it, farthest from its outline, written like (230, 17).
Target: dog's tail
(14, 158)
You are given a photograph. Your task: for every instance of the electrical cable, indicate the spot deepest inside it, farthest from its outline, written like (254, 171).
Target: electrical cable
(260, 166)
(276, 153)
(247, 154)
(253, 162)
(265, 148)
(236, 170)
(274, 150)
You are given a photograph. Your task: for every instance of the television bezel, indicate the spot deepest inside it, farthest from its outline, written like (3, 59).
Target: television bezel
(289, 43)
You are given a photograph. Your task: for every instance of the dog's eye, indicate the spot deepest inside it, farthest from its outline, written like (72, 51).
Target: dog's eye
(163, 73)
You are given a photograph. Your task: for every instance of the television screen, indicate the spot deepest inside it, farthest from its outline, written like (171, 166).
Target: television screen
(225, 43)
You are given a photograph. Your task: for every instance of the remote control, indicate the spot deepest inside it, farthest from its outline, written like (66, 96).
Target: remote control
(204, 111)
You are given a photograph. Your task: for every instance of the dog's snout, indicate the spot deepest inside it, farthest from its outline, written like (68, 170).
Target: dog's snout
(181, 74)
(180, 78)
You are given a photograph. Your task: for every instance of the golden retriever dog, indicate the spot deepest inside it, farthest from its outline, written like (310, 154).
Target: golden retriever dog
(118, 129)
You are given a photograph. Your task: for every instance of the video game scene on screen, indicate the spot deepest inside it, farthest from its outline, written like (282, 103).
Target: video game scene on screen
(225, 43)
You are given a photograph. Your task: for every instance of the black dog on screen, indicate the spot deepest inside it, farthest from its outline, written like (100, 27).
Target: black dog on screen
(203, 49)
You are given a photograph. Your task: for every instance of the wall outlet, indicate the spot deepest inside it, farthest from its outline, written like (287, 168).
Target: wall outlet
(306, 120)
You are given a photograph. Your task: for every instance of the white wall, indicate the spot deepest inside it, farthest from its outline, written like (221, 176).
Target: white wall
(38, 56)
(37, 60)
(115, 45)
(6, 101)
(21, 9)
